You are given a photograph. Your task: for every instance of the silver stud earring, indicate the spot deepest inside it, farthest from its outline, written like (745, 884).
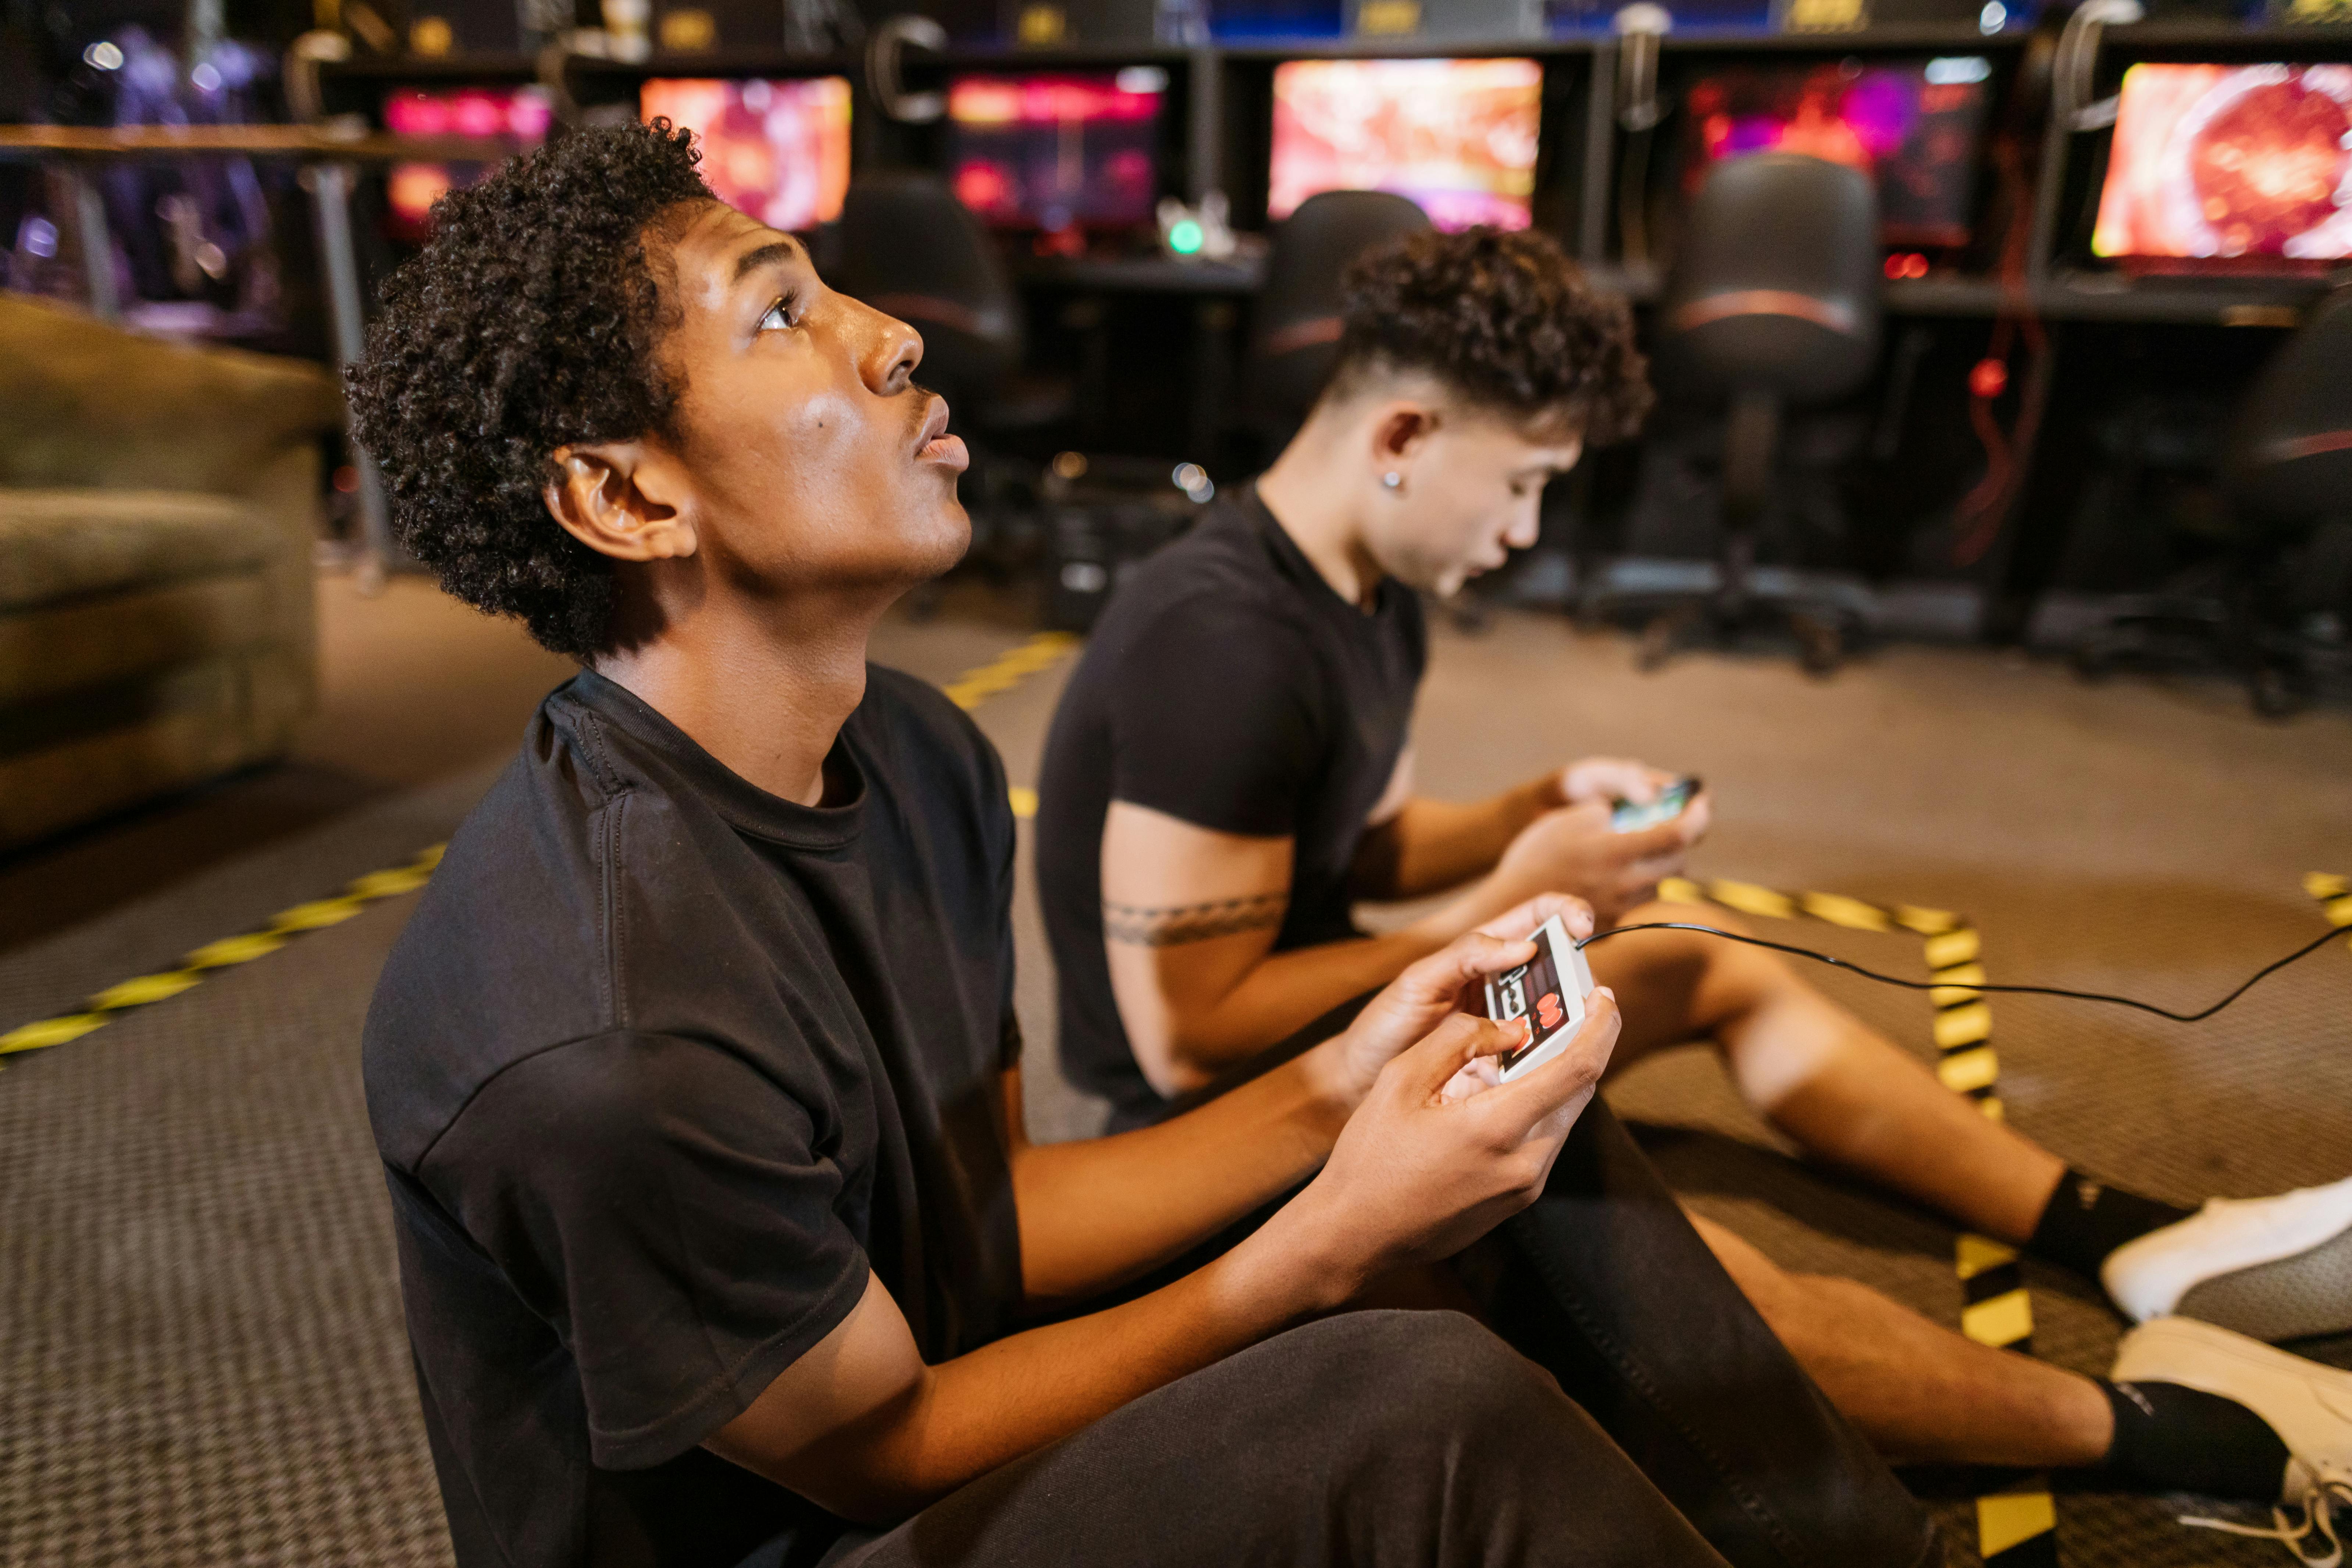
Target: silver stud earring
(1392, 479)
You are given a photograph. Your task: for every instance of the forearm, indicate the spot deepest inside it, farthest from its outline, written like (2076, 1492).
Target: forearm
(1285, 992)
(1432, 845)
(1008, 1399)
(1100, 1211)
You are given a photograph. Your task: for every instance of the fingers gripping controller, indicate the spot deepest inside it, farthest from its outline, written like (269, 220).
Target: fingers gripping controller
(1548, 991)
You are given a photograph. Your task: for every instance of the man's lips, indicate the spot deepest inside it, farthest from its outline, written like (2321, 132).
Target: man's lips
(934, 445)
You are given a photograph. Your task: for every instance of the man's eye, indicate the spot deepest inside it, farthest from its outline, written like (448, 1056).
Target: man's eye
(779, 318)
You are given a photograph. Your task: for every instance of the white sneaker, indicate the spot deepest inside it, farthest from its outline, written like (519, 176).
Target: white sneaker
(2275, 1268)
(2307, 1404)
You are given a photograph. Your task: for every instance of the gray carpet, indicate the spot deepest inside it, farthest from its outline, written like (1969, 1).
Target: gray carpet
(201, 1359)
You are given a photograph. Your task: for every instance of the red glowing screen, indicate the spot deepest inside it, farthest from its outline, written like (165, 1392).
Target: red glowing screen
(2216, 162)
(1914, 126)
(1456, 136)
(1057, 152)
(778, 151)
(411, 189)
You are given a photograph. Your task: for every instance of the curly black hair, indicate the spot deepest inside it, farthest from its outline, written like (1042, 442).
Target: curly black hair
(1504, 319)
(531, 320)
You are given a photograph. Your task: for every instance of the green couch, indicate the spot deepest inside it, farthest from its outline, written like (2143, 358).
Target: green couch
(158, 517)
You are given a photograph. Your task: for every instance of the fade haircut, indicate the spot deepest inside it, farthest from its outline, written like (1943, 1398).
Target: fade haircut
(1504, 320)
(531, 319)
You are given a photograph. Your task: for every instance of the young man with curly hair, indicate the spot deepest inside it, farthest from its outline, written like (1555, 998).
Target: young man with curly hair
(1229, 773)
(697, 1084)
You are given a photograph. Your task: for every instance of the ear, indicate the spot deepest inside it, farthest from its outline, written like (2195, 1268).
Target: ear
(620, 498)
(1399, 431)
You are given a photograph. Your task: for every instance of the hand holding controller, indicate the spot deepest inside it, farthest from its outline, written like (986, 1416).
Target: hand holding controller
(1550, 991)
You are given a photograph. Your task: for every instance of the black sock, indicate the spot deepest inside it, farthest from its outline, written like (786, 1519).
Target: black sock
(2087, 1219)
(2176, 1439)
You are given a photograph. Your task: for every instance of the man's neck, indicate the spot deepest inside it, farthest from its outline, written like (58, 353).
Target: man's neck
(765, 702)
(1314, 495)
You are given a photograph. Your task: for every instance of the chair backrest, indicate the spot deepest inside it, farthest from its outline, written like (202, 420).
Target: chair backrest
(1295, 336)
(2290, 453)
(1775, 284)
(907, 246)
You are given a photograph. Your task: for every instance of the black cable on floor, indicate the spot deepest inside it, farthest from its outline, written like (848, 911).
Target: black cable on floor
(2260, 974)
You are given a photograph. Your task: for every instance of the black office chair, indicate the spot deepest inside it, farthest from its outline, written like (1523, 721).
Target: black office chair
(906, 246)
(1772, 303)
(2286, 468)
(1294, 333)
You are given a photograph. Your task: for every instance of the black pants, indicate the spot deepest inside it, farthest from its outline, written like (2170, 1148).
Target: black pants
(1686, 1434)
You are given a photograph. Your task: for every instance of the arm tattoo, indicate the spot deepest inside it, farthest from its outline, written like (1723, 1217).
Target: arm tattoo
(1171, 925)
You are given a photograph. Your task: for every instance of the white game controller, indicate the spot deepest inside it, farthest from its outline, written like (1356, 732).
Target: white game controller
(1548, 992)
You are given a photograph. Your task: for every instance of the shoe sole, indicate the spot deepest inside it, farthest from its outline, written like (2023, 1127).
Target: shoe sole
(2292, 1298)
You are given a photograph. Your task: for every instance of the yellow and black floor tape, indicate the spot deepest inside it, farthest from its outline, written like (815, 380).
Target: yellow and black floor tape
(2335, 896)
(284, 926)
(2017, 1525)
(967, 691)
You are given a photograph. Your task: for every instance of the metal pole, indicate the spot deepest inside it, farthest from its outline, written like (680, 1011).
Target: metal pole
(97, 246)
(330, 186)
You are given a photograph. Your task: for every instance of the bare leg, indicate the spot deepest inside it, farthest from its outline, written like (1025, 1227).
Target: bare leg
(1916, 1391)
(1845, 1093)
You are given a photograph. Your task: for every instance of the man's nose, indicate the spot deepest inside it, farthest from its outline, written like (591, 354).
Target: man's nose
(893, 350)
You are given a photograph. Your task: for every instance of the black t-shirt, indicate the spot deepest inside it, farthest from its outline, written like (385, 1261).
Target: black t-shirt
(1228, 686)
(661, 1066)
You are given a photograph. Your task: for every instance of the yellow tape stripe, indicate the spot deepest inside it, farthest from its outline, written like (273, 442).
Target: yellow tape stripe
(1979, 1253)
(1024, 802)
(1957, 1026)
(146, 989)
(1008, 669)
(1965, 1071)
(2006, 1519)
(2001, 1320)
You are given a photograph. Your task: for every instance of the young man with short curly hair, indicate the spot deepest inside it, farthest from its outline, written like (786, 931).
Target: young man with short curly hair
(1229, 773)
(696, 1083)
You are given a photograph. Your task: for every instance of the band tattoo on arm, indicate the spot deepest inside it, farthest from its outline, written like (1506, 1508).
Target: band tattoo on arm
(1141, 925)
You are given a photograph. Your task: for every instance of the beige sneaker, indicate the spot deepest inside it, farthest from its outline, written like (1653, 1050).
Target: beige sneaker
(2307, 1404)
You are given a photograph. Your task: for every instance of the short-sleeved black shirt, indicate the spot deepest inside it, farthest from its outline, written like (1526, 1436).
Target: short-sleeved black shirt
(1228, 686)
(661, 1066)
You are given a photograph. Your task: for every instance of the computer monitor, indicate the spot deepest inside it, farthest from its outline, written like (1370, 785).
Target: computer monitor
(1456, 136)
(1057, 151)
(2230, 166)
(1916, 126)
(523, 113)
(778, 151)
(1255, 21)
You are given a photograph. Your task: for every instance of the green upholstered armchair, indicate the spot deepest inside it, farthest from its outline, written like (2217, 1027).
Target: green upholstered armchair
(158, 514)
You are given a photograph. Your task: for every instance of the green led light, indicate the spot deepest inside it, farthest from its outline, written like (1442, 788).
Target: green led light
(1185, 238)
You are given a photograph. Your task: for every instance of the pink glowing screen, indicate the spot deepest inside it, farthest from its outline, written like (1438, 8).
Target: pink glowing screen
(411, 189)
(2217, 163)
(1915, 127)
(1456, 136)
(1057, 152)
(776, 150)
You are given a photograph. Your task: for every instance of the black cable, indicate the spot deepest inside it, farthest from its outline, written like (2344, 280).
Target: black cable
(2260, 976)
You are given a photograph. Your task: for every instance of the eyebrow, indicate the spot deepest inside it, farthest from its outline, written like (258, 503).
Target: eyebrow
(767, 255)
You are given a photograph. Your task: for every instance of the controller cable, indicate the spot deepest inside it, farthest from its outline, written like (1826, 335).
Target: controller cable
(2260, 976)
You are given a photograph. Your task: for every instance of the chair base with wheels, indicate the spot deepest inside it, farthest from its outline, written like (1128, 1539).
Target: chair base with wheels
(2230, 626)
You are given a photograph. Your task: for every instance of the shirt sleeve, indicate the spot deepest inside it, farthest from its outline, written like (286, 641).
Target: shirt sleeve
(1215, 721)
(658, 1201)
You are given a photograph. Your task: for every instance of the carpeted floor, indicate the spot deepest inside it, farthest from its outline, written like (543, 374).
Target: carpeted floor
(201, 1359)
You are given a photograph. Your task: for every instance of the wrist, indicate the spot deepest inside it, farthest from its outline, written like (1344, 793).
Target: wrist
(1333, 1087)
(1305, 1256)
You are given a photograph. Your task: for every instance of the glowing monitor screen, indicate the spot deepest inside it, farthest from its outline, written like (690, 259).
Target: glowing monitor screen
(1456, 136)
(778, 151)
(411, 189)
(1057, 152)
(1914, 126)
(2214, 162)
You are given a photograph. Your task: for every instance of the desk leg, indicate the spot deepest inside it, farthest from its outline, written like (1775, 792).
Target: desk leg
(330, 186)
(96, 246)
